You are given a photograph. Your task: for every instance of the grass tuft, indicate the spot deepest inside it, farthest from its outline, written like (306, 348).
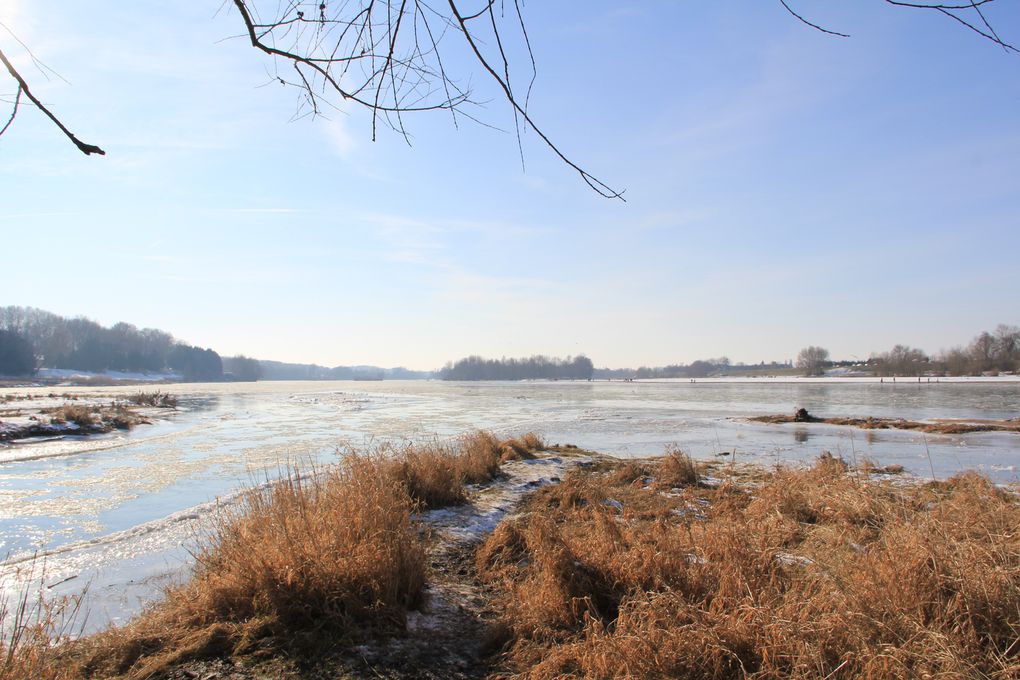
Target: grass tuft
(676, 469)
(82, 416)
(811, 572)
(157, 399)
(521, 448)
(298, 566)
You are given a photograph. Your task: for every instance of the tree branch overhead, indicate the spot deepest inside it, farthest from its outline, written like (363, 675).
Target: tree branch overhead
(395, 57)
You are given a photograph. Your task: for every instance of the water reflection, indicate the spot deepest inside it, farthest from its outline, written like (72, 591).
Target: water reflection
(801, 435)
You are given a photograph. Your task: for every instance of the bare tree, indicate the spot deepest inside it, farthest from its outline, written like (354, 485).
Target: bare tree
(901, 360)
(393, 57)
(813, 360)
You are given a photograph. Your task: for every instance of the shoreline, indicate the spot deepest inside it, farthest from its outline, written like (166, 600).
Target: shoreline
(100, 381)
(488, 558)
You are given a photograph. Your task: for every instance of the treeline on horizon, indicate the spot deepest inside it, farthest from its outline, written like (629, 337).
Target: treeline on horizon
(32, 338)
(989, 353)
(41, 338)
(279, 370)
(701, 368)
(527, 368)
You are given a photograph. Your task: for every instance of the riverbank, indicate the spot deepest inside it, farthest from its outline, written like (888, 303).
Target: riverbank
(493, 558)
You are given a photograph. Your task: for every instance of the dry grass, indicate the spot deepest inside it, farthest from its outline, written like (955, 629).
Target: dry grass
(676, 469)
(95, 418)
(300, 565)
(812, 572)
(435, 474)
(29, 629)
(122, 418)
(83, 416)
(478, 457)
(872, 423)
(521, 448)
(157, 399)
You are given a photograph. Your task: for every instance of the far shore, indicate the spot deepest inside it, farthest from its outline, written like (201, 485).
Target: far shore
(104, 380)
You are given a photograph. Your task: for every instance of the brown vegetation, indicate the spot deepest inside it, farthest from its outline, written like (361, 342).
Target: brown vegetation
(96, 418)
(299, 564)
(28, 631)
(624, 569)
(521, 448)
(814, 571)
(435, 474)
(934, 427)
(82, 416)
(156, 399)
(302, 566)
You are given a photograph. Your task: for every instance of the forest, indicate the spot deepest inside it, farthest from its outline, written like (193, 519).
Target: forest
(530, 368)
(79, 343)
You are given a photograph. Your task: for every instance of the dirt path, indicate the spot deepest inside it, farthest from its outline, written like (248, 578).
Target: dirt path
(447, 638)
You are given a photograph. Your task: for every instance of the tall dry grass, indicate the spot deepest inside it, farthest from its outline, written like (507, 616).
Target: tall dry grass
(435, 474)
(299, 565)
(521, 448)
(676, 469)
(814, 572)
(29, 630)
(157, 398)
(83, 416)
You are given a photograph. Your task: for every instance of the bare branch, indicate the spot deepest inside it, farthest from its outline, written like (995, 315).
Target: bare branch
(951, 11)
(86, 149)
(814, 26)
(600, 187)
(14, 111)
(385, 55)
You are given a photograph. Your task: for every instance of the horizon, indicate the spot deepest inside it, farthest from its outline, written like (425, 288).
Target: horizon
(719, 360)
(785, 188)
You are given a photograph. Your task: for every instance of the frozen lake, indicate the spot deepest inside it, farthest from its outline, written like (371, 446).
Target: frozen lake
(119, 512)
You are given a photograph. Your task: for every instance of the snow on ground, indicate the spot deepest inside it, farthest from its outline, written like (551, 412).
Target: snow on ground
(490, 504)
(73, 374)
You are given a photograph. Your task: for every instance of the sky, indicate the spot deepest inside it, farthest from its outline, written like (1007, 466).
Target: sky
(784, 188)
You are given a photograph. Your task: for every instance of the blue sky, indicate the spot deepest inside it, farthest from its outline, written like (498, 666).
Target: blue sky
(784, 188)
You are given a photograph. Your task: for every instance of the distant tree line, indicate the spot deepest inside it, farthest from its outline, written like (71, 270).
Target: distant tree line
(16, 354)
(242, 368)
(989, 353)
(278, 370)
(82, 344)
(995, 352)
(530, 368)
(700, 368)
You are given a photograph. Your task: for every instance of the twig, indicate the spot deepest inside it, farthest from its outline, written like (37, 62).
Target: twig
(14, 111)
(86, 149)
(814, 26)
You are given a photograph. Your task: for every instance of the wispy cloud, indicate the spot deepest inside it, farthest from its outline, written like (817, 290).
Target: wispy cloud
(339, 136)
(260, 210)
